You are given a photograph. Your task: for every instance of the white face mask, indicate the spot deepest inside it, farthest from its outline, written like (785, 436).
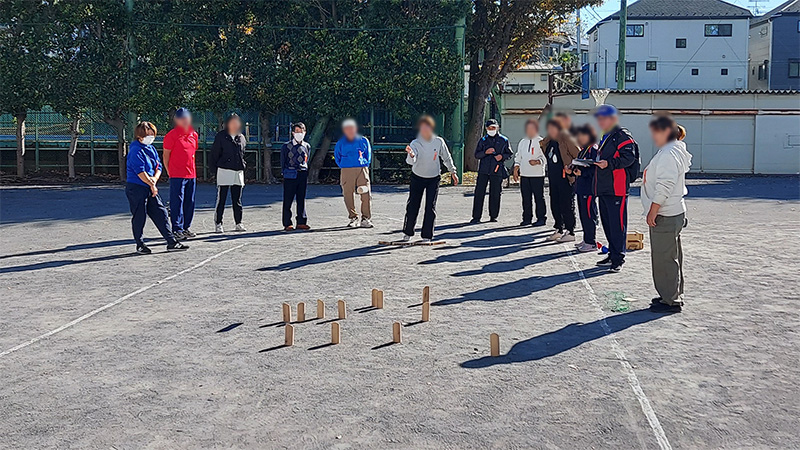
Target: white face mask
(492, 132)
(298, 137)
(147, 140)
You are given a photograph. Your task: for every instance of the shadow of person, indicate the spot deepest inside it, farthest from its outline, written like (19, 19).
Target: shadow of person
(330, 257)
(564, 339)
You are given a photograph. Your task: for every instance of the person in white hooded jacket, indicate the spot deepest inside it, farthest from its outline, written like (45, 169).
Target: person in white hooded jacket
(529, 164)
(663, 188)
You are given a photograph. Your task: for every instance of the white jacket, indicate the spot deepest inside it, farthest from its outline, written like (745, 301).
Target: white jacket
(529, 150)
(664, 180)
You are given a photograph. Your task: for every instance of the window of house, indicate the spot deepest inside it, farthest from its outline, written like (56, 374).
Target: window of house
(763, 70)
(794, 68)
(651, 65)
(680, 43)
(595, 67)
(719, 29)
(695, 71)
(543, 77)
(723, 71)
(630, 72)
(634, 30)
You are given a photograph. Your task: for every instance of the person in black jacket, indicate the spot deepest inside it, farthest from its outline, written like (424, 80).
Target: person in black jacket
(294, 166)
(227, 161)
(492, 151)
(617, 165)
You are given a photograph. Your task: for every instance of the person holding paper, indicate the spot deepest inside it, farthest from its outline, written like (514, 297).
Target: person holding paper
(587, 205)
(529, 165)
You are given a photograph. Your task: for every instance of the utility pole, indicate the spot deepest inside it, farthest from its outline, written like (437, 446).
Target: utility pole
(623, 26)
(578, 37)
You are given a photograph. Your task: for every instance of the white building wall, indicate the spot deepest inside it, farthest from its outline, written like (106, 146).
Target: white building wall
(709, 55)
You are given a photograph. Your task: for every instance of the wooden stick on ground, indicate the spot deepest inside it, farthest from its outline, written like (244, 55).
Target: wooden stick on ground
(494, 340)
(426, 294)
(320, 309)
(301, 312)
(397, 336)
(379, 300)
(289, 335)
(342, 309)
(426, 312)
(336, 335)
(287, 313)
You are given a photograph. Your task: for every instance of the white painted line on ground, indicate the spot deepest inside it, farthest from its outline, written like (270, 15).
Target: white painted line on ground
(387, 217)
(633, 380)
(116, 302)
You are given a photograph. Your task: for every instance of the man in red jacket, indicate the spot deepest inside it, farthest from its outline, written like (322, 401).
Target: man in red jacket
(616, 167)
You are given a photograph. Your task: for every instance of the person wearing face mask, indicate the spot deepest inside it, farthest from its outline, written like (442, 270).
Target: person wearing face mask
(492, 151)
(226, 159)
(143, 172)
(180, 146)
(529, 164)
(294, 165)
(425, 154)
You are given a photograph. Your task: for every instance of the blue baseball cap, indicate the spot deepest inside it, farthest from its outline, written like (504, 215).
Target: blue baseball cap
(181, 113)
(605, 111)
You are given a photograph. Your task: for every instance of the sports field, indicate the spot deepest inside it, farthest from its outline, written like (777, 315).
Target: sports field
(103, 349)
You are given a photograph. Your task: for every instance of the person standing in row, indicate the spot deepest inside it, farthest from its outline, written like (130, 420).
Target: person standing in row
(294, 165)
(663, 189)
(616, 167)
(560, 149)
(491, 152)
(226, 159)
(529, 165)
(425, 154)
(180, 147)
(143, 171)
(587, 206)
(353, 155)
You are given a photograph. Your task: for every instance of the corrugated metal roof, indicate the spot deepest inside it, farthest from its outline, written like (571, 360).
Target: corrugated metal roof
(666, 91)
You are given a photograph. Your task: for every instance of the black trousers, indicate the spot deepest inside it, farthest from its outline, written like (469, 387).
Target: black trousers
(295, 189)
(143, 204)
(587, 210)
(495, 184)
(419, 187)
(532, 188)
(236, 200)
(562, 203)
(614, 215)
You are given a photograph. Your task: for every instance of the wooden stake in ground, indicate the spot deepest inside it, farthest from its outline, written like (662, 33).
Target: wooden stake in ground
(301, 312)
(397, 336)
(320, 309)
(336, 335)
(426, 312)
(379, 299)
(289, 335)
(374, 298)
(342, 309)
(287, 313)
(426, 294)
(494, 341)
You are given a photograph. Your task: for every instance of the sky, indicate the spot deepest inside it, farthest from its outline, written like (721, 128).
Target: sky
(590, 15)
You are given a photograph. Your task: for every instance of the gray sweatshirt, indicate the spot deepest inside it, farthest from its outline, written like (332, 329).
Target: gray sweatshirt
(428, 156)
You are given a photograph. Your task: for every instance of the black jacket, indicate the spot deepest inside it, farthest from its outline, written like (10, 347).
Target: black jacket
(488, 164)
(227, 152)
(622, 153)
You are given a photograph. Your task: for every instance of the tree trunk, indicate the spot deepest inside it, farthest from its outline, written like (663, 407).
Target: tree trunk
(73, 144)
(21, 116)
(315, 166)
(266, 142)
(479, 89)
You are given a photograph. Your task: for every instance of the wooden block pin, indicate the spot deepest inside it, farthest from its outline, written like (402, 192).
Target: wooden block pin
(287, 313)
(379, 300)
(301, 312)
(426, 312)
(374, 298)
(342, 309)
(397, 333)
(494, 340)
(289, 336)
(336, 335)
(426, 294)
(320, 309)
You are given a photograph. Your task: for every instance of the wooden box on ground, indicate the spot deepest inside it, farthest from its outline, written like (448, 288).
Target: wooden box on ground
(635, 240)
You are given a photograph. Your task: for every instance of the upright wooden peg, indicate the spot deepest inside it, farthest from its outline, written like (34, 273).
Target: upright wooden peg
(287, 313)
(426, 312)
(397, 334)
(374, 298)
(494, 340)
(289, 335)
(336, 335)
(426, 294)
(379, 300)
(320, 309)
(301, 312)
(342, 309)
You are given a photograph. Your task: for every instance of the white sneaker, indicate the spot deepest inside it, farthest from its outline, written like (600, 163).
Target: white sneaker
(555, 236)
(426, 241)
(585, 248)
(366, 223)
(219, 229)
(567, 237)
(406, 238)
(353, 223)
(240, 227)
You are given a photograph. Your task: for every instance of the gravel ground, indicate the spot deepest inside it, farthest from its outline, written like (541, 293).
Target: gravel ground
(184, 350)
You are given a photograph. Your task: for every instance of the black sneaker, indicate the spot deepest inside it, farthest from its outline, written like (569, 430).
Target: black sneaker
(655, 300)
(605, 262)
(525, 223)
(189, 233)
(493, 219)
(615, 268)
(143, 249)
(177, 247)
(663, 308)
(539, 223)
(474, 221)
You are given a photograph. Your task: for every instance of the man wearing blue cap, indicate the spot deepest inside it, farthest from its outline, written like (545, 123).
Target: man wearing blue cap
(617, 165)
(492, 151)
(180, 146)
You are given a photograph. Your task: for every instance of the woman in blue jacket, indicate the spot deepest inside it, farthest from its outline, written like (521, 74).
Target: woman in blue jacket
(587, 205)
(143, 171)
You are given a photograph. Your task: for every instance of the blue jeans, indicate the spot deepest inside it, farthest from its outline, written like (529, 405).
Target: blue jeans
(143, 204)
(181, 202)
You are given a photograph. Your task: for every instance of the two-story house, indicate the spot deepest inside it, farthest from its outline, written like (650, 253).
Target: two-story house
(673, 44)
(775, 48)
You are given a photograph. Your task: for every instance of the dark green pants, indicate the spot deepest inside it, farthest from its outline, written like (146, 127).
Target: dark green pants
(666, 255)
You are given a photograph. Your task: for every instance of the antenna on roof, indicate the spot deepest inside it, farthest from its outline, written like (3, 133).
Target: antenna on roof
(755, 6)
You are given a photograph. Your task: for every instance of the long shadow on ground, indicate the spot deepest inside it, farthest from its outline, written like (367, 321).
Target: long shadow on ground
(566, 338)
(330, 257)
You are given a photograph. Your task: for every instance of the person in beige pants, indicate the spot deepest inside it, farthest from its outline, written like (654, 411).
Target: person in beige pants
(353, 155)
